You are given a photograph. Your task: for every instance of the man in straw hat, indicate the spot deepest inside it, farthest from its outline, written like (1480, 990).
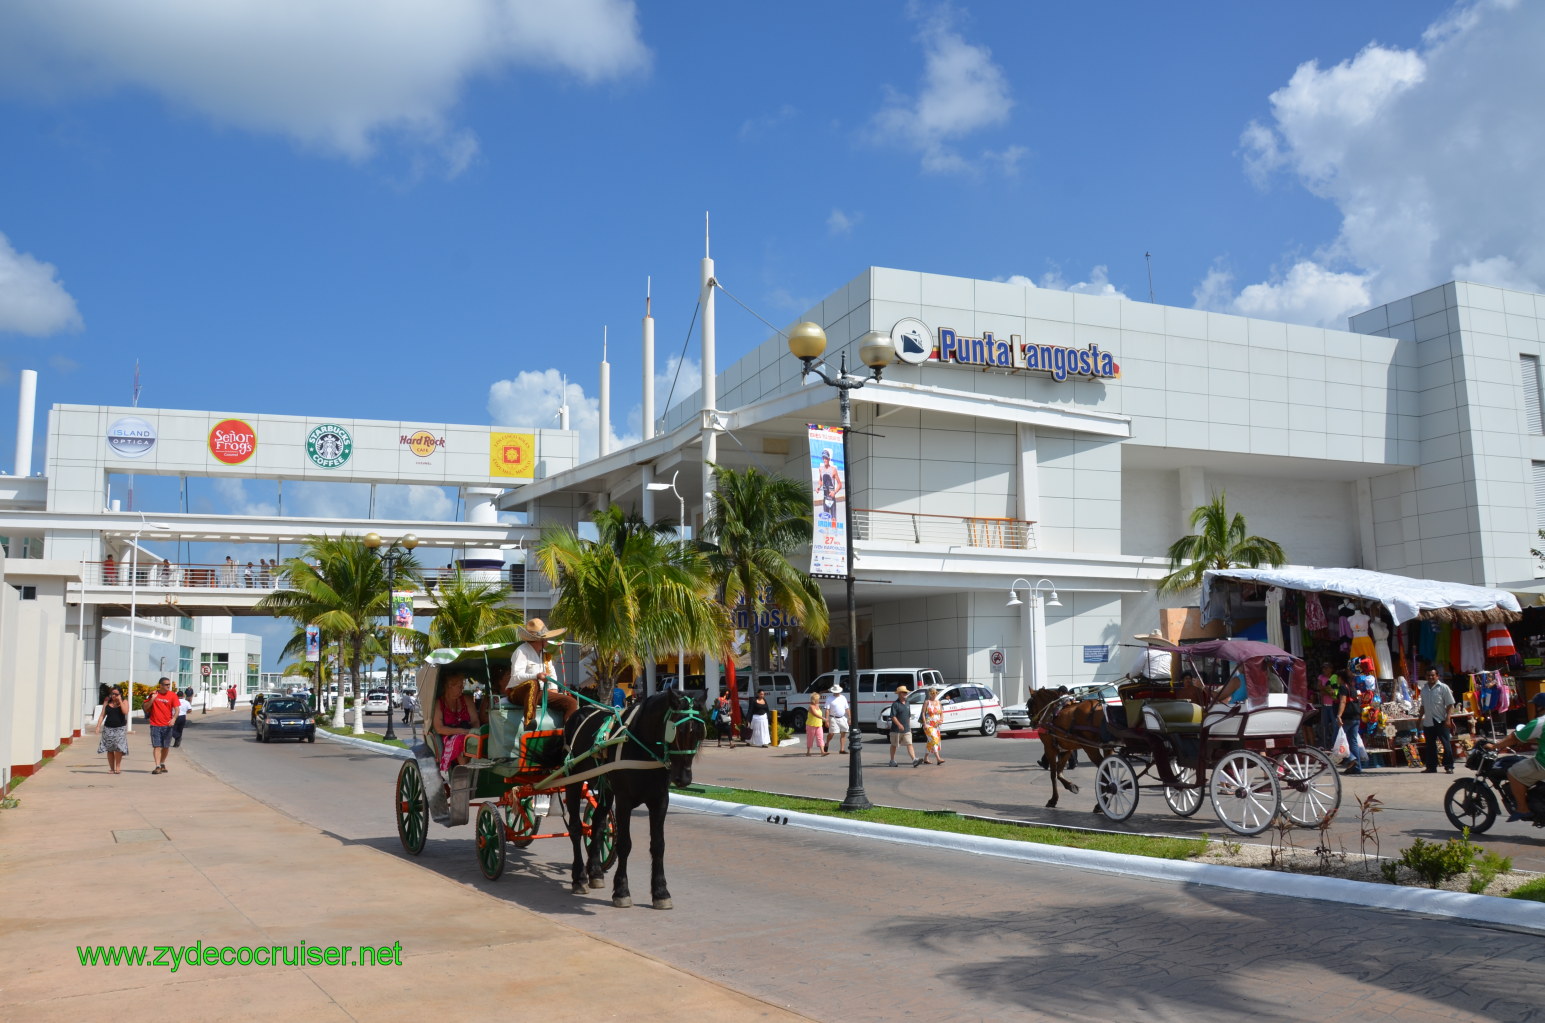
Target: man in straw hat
(1153, 663)
(532, 668)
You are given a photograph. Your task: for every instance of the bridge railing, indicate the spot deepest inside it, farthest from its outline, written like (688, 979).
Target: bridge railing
(169, 575)
(943, 530)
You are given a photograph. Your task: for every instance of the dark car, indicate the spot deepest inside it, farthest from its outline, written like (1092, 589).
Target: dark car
(285, 717)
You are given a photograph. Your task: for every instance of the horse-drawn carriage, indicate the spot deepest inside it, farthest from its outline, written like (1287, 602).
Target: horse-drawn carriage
(515, 767)
(1224, 728)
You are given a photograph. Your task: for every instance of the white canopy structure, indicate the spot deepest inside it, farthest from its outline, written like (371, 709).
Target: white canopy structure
(1406, 598)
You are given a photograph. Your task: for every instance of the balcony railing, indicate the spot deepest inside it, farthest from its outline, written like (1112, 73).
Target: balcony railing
(943, 530)
(166, 575)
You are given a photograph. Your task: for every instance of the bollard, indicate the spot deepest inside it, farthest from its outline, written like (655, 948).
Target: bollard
(773, 719)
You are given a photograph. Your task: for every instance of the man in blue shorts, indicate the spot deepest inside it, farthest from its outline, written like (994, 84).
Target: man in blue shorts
(161, 709)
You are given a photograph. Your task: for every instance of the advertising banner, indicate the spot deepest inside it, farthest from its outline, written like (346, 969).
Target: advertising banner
(512, 455)
(313, 644)
(402, 618)
(828, 478)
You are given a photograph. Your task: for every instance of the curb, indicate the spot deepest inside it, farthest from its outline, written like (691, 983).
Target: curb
(399, 752)
(1527, 916)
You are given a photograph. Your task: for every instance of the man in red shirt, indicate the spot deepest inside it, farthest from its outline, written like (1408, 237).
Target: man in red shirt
(161, 712)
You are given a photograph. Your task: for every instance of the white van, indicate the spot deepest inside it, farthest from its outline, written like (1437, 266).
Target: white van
(782, 692)
(876, 689)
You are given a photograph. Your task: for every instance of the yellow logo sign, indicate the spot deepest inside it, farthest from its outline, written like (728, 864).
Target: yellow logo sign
(512, 455)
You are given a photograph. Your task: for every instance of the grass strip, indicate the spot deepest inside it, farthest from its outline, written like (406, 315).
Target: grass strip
(1534, 891)
(953, 823)
(370, 736)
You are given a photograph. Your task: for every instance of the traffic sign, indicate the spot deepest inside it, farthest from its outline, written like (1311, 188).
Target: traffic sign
(995, 661)
(204, 670)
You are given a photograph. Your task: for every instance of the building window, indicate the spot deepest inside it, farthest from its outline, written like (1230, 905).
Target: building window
(27, 592)
(1529, 371)
(1539, 495)
(184, 666)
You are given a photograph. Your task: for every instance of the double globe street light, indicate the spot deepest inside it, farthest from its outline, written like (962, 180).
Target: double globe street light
(1037, 644)
(807, 342)
(396, 551)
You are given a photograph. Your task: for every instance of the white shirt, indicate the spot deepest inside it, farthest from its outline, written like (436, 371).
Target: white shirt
(837, 704)
(527, 664)
(184, 708)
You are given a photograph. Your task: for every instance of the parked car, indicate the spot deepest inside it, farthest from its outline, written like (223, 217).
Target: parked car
(965, 707)
(876, 689)
(284, 717)
(378, 703)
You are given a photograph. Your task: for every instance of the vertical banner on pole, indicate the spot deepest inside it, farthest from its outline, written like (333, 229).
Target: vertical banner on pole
(828, 476)
(402, 617)
(313, 644)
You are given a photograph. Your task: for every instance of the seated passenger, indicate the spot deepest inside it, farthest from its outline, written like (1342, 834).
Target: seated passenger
(455, 718)
(531, 670)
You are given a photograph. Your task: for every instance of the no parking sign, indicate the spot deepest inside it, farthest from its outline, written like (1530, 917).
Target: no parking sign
(995, 661)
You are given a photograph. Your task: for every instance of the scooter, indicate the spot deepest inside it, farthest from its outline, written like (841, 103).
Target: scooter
(1472, 802)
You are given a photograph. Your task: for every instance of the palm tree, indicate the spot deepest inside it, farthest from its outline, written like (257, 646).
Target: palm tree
(471, 613)
(631, 593)
(1218, 541)
(757, 519)
(339, 585)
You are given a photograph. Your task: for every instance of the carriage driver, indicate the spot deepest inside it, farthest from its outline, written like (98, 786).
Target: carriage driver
(532, 668)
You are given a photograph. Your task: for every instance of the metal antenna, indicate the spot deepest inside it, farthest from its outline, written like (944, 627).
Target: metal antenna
(1148, 258)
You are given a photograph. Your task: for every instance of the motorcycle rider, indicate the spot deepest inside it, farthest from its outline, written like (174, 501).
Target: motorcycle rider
(1527, 772)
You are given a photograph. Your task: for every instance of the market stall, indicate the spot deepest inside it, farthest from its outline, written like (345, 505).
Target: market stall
(1403, 626)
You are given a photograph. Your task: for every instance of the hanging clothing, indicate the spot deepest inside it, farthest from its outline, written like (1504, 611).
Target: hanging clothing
(1381, 658)
(1441, 644)
(1427, 641)
(1274, 616)
(1499, 642)
(1472, 649)
(1362, 642)
(1314, 613)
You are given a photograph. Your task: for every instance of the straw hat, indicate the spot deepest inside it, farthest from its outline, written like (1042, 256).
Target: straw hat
(902, 691)
(535, 628)
(1153, 637)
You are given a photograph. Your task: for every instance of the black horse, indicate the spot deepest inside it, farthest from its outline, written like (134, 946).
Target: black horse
(660, 736)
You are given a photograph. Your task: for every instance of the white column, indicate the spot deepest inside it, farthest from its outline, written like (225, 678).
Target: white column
(1027, 499)
(1036, 609)
(25, 404)
(481, 505)
(710, 438)
(604, 446)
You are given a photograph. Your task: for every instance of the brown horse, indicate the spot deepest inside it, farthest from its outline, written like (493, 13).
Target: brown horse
(1068, 725)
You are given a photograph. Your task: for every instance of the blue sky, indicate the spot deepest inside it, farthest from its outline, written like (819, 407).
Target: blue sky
(395, 209)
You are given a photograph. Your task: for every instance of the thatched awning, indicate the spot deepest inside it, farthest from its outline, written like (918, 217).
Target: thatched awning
(1405, 598)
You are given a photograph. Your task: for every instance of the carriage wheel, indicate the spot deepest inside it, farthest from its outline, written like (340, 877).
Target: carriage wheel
(1470, 804)
(1186, 798)
(587, 805)
(1244, 792)
(1115, 788)
(1311, 788)
(490, 841)
(524, 822)
(412, 808)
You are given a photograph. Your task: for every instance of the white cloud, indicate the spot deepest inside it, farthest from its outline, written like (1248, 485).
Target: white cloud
(757, 127)
(1430, 155)
(1097, 284)
(341, 75)
(32, 300)
(232, 493)
(840, 223)
(532, 398)
(962, 91)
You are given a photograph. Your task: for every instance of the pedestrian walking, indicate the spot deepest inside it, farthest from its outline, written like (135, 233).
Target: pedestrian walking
(760, 722)
(409, 707)
(815, 727)
(1437, 724)
(836, 702)
(723, 720)
(112, 724)
(161, 709)
(901, 727)
(1330, 694)
(1350, 711)
(619, 697)
(230, 696)
(933, 720)
(184, 708)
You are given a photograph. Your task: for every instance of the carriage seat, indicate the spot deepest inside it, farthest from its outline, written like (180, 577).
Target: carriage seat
(1172, 716)
(510, 740)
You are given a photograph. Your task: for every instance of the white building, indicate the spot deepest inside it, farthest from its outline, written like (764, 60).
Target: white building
(1041, 435)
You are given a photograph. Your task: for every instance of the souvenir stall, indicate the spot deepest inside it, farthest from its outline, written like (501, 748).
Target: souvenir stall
(1403, 627)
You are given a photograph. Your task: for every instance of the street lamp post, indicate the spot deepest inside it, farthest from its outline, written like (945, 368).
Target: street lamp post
(144, 527)
(396, 551)
(806, 342)
(1037, 645)
(681, 539)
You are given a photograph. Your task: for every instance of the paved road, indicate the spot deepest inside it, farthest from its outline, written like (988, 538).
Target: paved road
(840, 928)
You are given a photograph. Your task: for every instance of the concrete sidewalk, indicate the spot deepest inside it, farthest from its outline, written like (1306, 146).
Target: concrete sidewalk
(89, 858)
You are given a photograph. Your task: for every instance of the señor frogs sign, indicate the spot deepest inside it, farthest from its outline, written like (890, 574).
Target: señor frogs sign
(232, 441)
